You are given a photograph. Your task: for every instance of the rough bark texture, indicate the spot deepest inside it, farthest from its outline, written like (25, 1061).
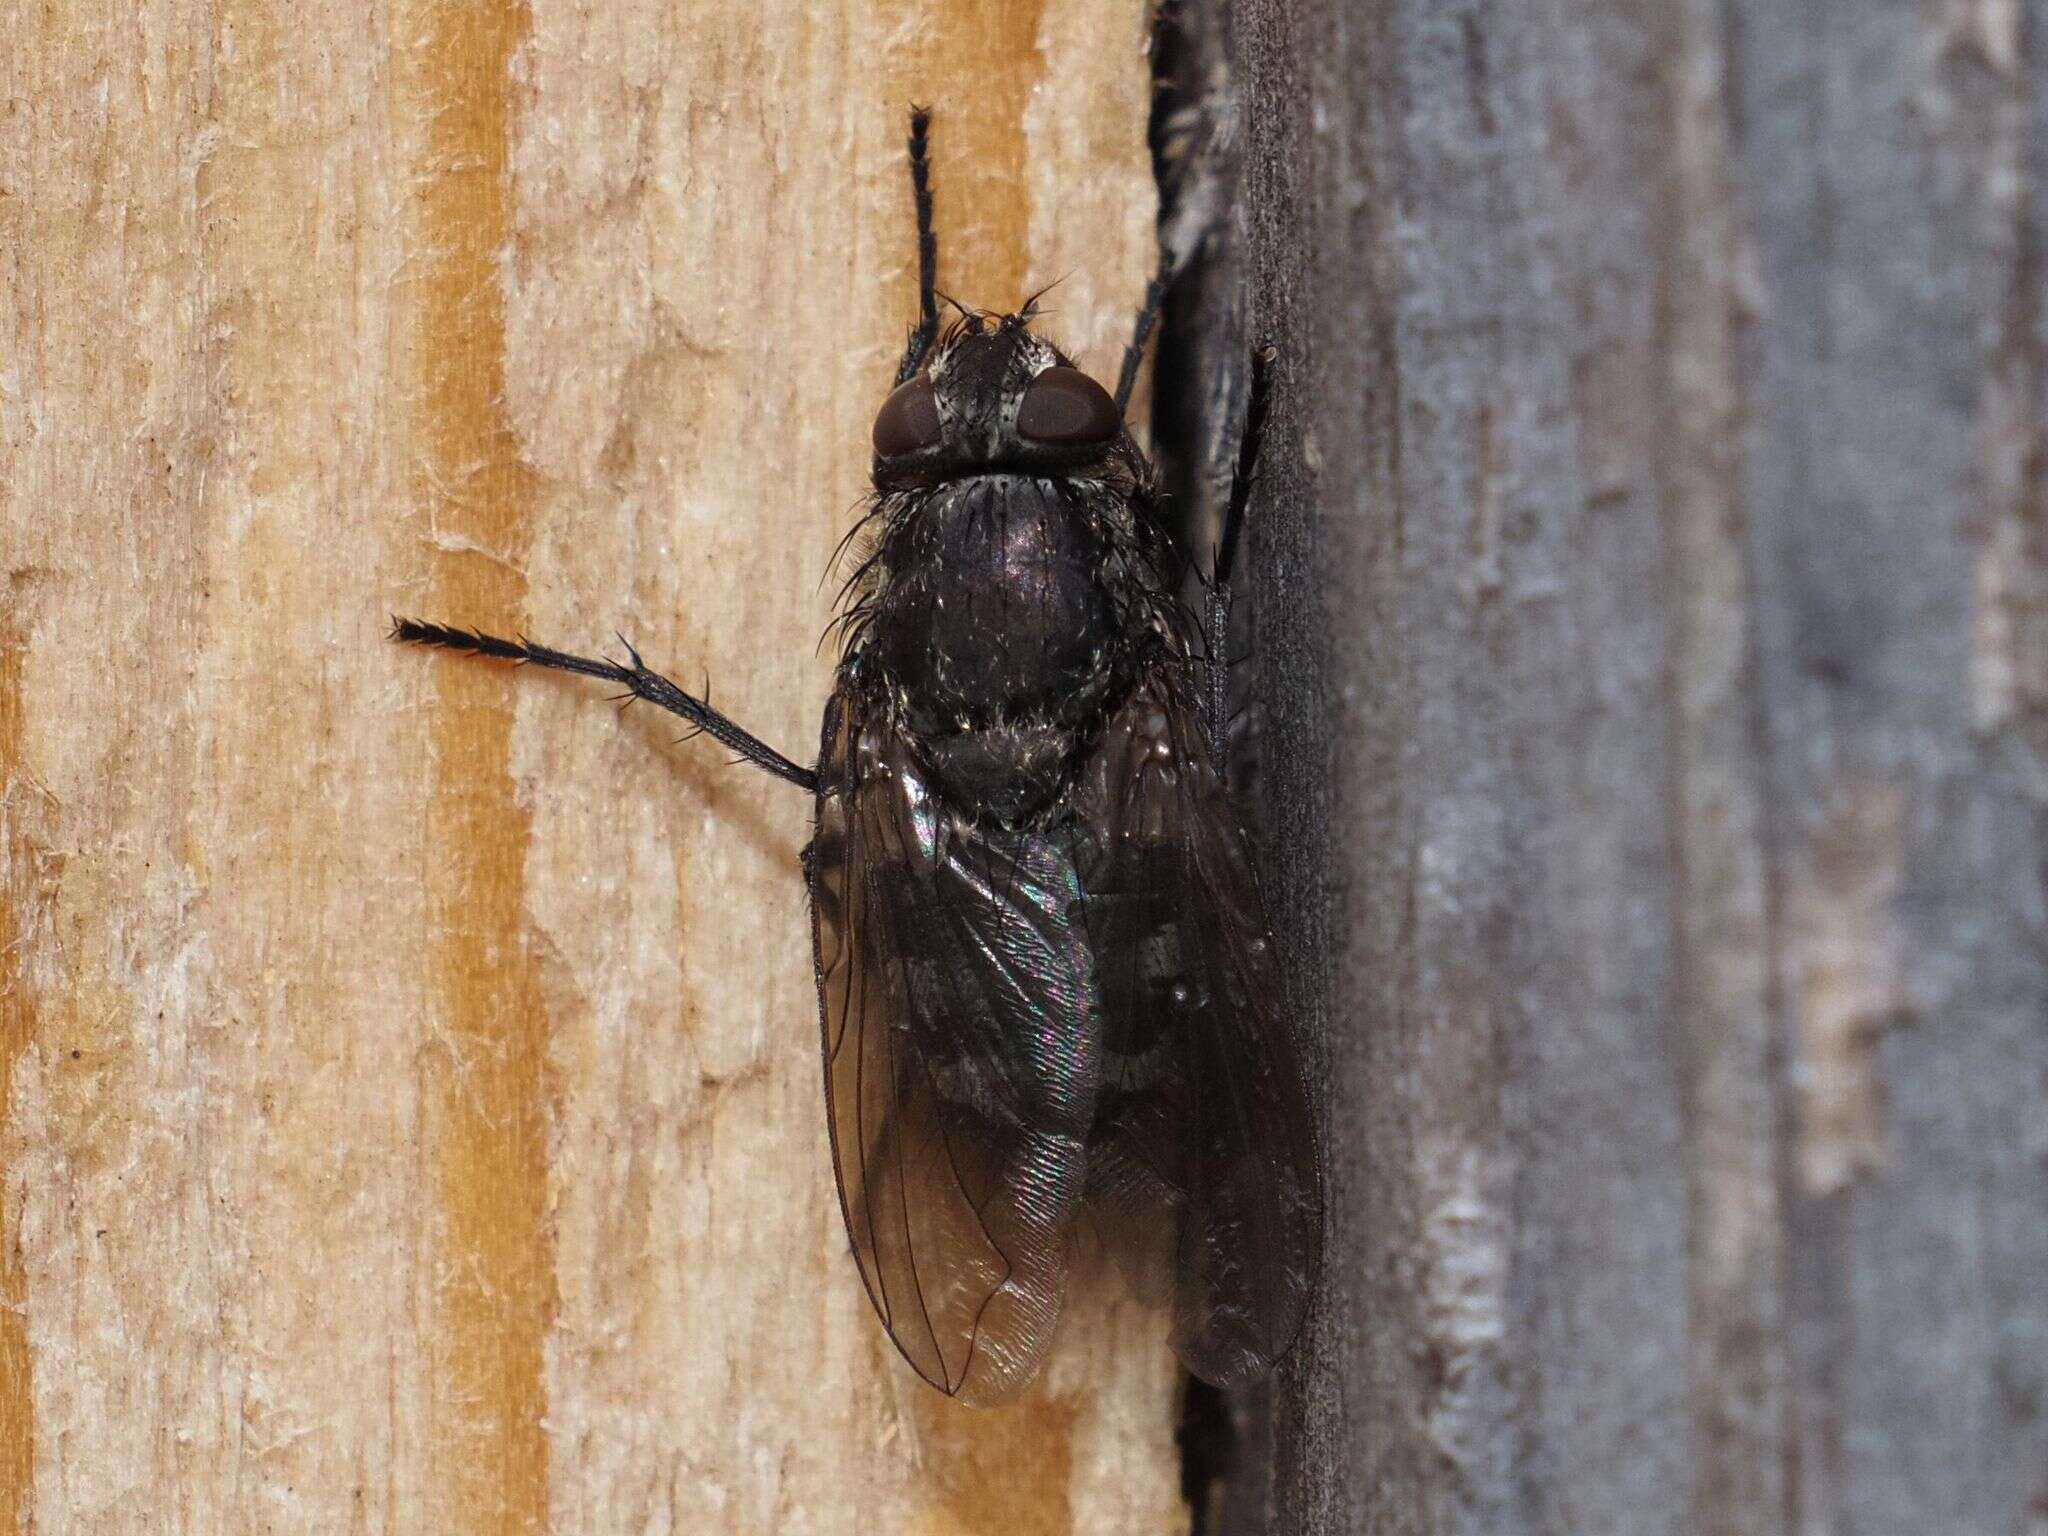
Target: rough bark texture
(1652, 606)
(410, 1069)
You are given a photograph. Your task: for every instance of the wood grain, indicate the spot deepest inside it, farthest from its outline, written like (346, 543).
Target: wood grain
(20, 926)
(484, 1075)
(411, 1103)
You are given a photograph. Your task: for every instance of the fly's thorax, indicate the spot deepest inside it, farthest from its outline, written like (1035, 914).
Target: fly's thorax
(993, 600)
(998, 624)
(1016, 576)
(1008, 773)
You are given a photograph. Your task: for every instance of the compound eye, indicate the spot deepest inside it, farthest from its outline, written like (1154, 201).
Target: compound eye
(908, 419)
(1066, 408)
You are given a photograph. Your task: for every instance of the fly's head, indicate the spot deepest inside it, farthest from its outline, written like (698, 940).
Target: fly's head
(996, 399)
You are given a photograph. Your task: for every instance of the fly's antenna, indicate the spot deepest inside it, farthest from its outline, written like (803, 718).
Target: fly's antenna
(927, 325)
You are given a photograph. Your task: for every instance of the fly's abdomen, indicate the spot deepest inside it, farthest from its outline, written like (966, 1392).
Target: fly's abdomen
(994, 610)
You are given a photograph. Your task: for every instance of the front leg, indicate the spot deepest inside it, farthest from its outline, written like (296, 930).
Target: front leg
(1141, 329)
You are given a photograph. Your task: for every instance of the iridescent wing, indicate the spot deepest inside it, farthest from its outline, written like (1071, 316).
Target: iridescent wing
(961, 1065)
(1204, 1143)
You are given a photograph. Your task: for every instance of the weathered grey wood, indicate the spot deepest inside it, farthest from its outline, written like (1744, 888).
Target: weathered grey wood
(1651, 593)
(1895, 469)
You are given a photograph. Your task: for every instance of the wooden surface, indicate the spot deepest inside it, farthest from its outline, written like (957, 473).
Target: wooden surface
(412, 1113)
(1652, 610)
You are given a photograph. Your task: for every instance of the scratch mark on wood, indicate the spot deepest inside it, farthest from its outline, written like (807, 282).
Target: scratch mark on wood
(1483, 574)
(1848, 965)
(1464, 1282)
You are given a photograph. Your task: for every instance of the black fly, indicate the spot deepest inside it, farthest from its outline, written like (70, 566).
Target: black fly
(1045, 980)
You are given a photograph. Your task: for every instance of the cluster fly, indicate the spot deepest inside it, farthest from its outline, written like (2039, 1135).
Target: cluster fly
(1046, 985)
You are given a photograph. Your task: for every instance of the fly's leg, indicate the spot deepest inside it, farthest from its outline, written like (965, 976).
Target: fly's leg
(927, 247)
(1141, 329)
(1167, 41)
(1162, 274)
(639, 681)
(1216, 704)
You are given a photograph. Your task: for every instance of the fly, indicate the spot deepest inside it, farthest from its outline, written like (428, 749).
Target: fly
(1046, 986)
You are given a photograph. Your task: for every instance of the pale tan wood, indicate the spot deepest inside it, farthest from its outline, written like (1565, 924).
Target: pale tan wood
(412, 1111)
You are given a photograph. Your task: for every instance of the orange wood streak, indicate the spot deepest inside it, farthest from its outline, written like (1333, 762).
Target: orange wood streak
(978, 77)
(485, 1088)
(997, 1469)
(17, 1028)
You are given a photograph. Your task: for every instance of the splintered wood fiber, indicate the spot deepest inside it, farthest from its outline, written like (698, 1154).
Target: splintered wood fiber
(410, 1069)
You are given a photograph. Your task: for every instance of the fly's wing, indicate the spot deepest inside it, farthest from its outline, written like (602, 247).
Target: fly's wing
(1203, 1158)
(961, 1059)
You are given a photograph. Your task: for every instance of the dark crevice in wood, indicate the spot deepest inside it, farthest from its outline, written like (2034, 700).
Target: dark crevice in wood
(1200, 379)
(1213, 1455)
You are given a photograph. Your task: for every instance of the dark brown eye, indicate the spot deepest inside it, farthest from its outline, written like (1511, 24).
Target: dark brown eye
(1064, 406)
(908, 419)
